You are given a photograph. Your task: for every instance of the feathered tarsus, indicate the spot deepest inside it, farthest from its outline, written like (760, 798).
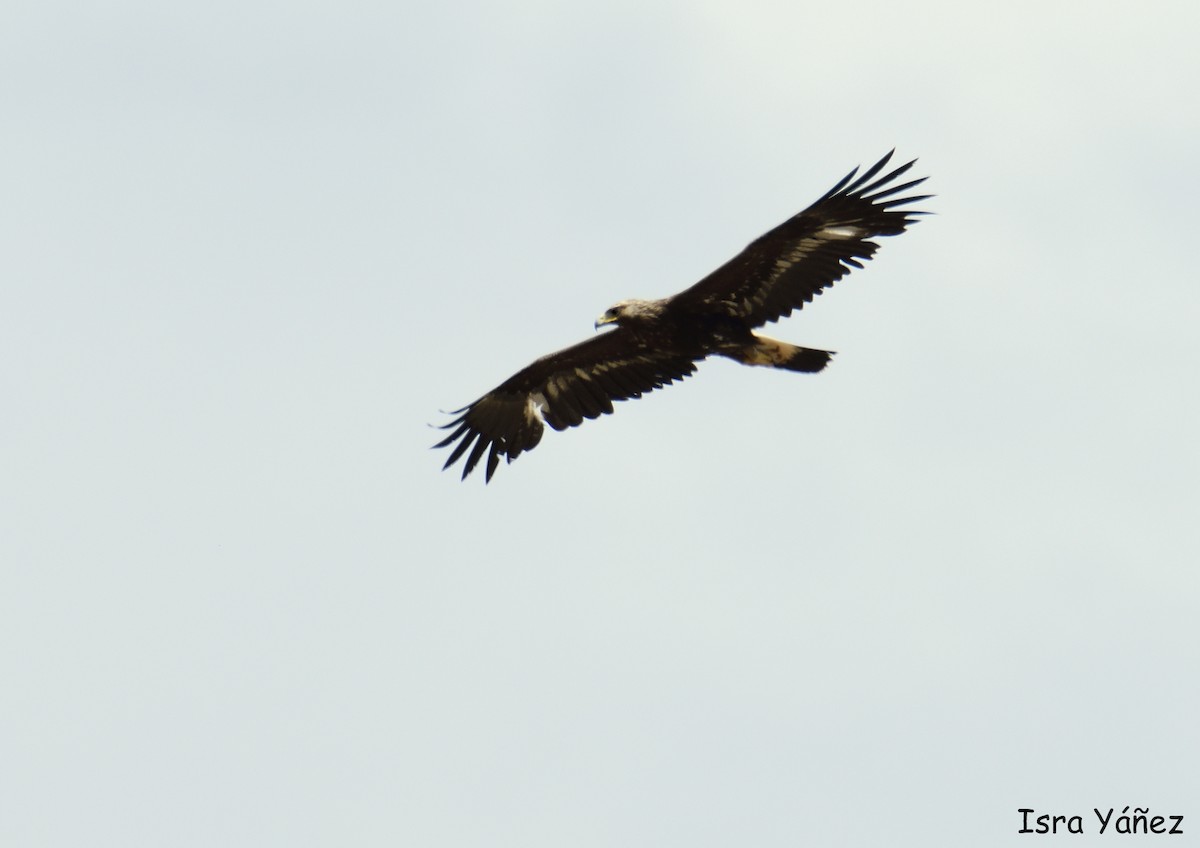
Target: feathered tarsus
(659, 341)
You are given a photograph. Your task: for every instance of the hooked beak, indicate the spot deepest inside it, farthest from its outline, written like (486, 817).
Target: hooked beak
(605, 319)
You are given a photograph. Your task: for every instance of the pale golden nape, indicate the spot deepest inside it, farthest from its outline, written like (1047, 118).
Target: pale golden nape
(632, 310)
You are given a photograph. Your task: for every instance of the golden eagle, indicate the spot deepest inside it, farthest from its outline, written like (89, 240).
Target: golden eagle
(659, 341)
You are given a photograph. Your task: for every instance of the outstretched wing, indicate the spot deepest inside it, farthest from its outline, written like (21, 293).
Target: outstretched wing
(562, 389)
(788, 266)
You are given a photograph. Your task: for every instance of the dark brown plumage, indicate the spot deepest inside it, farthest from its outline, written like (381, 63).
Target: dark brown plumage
(659, 341)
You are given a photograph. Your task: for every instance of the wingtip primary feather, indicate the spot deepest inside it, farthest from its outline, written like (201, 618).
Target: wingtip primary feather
(838, 186)
(875, 169)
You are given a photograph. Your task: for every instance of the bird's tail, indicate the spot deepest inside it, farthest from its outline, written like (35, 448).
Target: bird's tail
(776, 354)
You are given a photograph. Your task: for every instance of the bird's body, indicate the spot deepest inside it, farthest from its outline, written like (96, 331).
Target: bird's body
(659, 341)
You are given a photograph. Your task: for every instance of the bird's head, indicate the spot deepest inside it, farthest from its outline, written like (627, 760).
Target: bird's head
(630, 311)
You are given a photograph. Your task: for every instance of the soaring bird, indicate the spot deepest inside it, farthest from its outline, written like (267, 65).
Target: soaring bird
(656, 342)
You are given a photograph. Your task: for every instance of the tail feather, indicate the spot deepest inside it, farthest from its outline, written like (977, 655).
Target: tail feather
(777, 354)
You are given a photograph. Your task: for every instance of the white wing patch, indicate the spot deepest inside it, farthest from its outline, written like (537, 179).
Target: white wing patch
(805, 247)
(534, 404)
(841, 232)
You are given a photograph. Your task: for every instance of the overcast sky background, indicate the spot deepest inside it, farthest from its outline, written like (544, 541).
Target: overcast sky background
(250, 250)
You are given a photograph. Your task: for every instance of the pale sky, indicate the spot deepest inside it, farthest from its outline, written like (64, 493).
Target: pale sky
(251, 249)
